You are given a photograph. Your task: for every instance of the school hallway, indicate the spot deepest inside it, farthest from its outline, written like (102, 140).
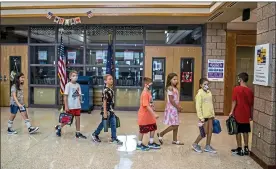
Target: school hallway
(46, 151)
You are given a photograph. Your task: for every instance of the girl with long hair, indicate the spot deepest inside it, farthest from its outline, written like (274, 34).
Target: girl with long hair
(173, 108)
(17, 104)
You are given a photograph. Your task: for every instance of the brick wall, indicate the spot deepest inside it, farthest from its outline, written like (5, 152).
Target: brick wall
(263, 143)
(215, 49)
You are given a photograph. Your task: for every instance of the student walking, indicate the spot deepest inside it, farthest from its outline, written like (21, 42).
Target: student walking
(206, 115)
(72, 103)
(17, 104)
(147, 118)
(171, 116)
(107, 112)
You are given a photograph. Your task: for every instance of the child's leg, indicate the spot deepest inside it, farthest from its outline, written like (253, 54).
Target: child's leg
(13, 110)
(239, 140)
(24, 115)
(175, 131)
(245, 139)
(152, 137)
(210, 131)
(77, 121)
(140, 138)
(112, 122)
(168, 129)
(99, 128)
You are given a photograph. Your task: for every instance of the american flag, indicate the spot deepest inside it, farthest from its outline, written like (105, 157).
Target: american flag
(49, 15)
(62, 68)
(89, 14)
(109, 59)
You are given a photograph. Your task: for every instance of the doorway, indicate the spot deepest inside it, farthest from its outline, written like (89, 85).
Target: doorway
(11, 55)
(186, 62)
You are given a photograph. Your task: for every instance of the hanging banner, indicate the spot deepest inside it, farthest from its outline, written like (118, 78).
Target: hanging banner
(262, 65)
(187, 77)
(215, 70)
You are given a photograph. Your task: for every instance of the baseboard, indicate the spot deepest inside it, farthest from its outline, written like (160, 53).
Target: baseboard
(261, 162)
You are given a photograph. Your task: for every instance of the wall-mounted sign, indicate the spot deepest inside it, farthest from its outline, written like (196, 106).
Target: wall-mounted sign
(128, 55)
(187, 77)
(42, 55)
(262, 65)
(72, 55)
(215, 70)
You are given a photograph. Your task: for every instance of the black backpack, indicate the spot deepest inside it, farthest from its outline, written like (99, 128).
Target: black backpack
(232, 126)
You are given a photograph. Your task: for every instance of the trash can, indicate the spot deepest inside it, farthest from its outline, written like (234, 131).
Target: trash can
(87, 93)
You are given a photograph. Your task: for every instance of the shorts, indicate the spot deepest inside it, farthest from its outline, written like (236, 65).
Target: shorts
(147, 128)
(244, 128)
(14, 109)
(75, 112)
(206, 119)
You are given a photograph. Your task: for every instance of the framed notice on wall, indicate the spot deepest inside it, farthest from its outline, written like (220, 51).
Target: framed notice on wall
(72, 55)
(262, 65)
(215, 70)
(42, 55)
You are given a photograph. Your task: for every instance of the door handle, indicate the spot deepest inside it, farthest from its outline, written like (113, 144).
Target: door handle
(5, 78)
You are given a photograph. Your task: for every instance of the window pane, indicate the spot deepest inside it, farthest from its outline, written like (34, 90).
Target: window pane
(96, 55)
(129, 76)
(187, 79)
(129, 35)
(11, 34)
(43, 75)
(158, 78)
(171, 35)
(42, 54)
(43, 34)
(127, 97)
(129, 55)
(98, 34)
(74, 54)
(72, 35)
(97, 74)
(42, 95)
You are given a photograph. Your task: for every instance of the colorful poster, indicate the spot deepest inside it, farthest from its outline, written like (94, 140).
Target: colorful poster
(42, 55)
(215, 70)
(187, 77)
(72, 55)
(262, 65)
(100, 56)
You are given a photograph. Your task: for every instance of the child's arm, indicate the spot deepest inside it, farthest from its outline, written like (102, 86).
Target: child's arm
(65, 97)
(171, 99)
(105, 103)
(152, 112)
(15, 98)
(234, 102)
(146, 103)
(199, 107)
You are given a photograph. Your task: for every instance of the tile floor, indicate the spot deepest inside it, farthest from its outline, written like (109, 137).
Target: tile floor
(46, 151)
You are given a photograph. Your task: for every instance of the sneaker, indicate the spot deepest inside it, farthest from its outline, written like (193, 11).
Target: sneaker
(32, 129)
(95, 138)
(116, 141)
(197, 148)
(58, 130)
(237, 151)
(154, 146)
(210, 149)
(79, 135)
(246, 151)
(142, 147)
(11, 131)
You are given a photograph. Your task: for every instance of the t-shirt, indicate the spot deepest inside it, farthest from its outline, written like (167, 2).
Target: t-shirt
(19, 96)
(244, 98)
(108, 95)
(144, 116)
(74, 93)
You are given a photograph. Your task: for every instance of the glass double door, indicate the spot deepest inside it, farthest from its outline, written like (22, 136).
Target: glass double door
(186, 62)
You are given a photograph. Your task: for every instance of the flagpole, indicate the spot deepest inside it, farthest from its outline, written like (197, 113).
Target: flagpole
(62, 95)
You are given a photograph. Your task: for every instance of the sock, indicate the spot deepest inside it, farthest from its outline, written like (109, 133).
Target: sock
(151, 140)
(139, 143)
(10, 124)
(28, 123)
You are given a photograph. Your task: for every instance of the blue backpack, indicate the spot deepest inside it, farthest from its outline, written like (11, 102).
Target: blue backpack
(216, 126)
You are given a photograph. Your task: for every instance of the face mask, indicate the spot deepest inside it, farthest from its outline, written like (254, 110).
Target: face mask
(74, 78)
(205, 87)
